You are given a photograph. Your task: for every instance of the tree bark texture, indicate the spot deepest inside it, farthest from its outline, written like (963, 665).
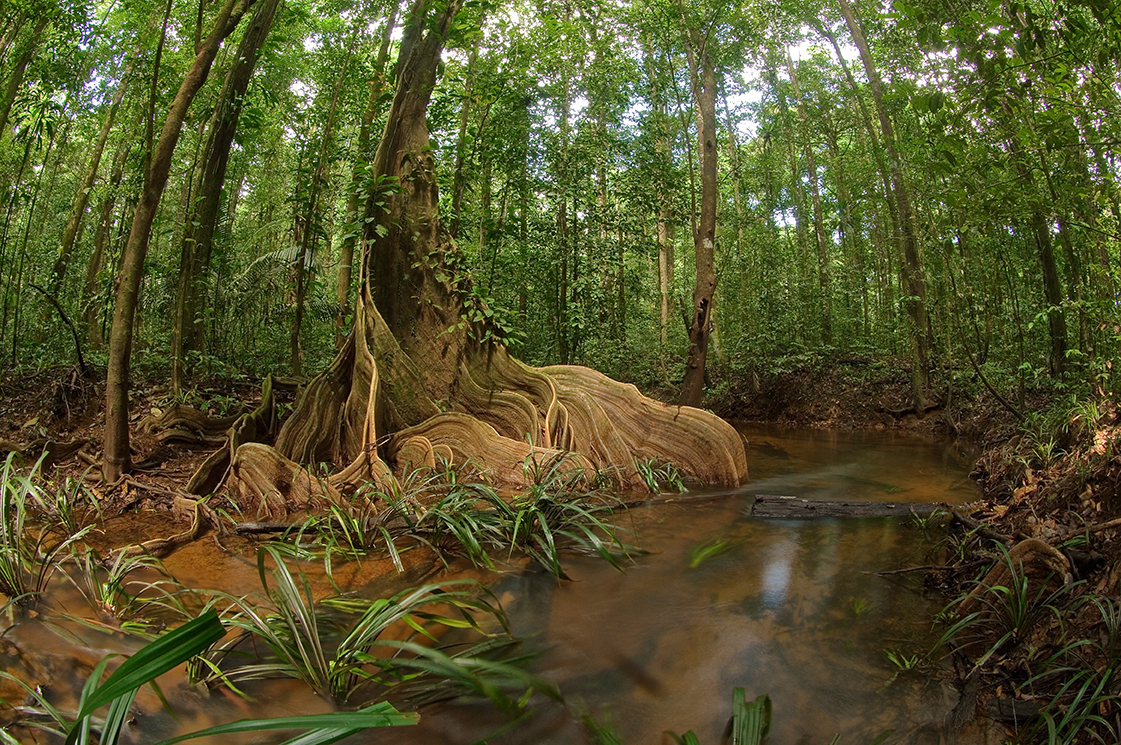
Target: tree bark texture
(19, 70)
(117, 459)
(703, 74)
(353, 217)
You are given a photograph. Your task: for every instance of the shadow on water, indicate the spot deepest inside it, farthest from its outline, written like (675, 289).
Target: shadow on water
(793, 609)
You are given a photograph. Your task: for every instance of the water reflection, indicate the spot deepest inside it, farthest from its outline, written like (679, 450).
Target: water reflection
(777, 572)
(793, 609)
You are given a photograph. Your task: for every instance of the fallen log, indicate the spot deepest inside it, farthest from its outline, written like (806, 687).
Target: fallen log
(766, 505)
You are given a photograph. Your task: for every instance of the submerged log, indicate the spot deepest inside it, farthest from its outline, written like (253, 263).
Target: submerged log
(766, 505)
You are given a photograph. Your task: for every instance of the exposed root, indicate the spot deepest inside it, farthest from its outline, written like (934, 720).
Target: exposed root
(695, 441)
(1039, 563)
(267, 486)
(259, 425)
(160, 547)
(472, 443)
(509, 422)
(51, 451)
(182, 423)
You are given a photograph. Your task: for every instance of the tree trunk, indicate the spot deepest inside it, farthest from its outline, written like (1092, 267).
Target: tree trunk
(664, 221)
(82, 198)
(354, 226)
(117, 459)
(459, 179)
(564, 352)
(820, 238)
(19, 69)
(201, 221)
(1040, 225)
(422, 343)
(913, 275)
(100, 241)
(311, 219)
(703, 75)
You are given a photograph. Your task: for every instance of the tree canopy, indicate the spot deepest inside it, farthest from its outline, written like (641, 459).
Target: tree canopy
(936, 181)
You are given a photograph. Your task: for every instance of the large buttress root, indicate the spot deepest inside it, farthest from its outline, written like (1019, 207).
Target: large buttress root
(266, 485)
(508, 422)
(336, 421)
(501, 460)
(697, 442)
(258, 425)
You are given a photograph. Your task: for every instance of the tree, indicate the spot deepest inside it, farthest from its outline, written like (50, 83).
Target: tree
(422, 337)
(117, 458)
(702, 78)
(913, 274)
(201, 222)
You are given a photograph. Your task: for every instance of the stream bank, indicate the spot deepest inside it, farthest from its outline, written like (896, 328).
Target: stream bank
(1053, 478)
(1039, 643)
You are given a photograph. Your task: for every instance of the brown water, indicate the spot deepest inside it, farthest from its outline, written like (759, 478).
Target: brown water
(793, 609)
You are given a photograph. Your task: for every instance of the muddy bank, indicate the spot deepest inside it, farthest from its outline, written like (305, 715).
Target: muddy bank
(1052, 477)
(861, 392)
(1032, 614)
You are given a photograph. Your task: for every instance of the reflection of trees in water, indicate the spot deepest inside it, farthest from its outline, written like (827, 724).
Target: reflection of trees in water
(663, 645)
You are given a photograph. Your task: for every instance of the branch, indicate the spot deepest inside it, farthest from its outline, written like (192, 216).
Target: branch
(62, 314)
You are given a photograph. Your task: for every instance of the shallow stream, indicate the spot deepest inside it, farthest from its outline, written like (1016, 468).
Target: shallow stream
(793, 609)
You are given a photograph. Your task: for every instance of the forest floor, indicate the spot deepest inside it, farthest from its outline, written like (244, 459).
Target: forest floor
(1053, 479)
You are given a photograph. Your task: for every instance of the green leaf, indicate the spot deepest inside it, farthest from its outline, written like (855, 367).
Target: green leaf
(325, 728)
(153, 660)
(750, 721)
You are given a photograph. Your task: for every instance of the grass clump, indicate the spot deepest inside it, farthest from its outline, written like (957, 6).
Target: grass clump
(393, 644)
(118, 690)
(471, 520)
(30, 542)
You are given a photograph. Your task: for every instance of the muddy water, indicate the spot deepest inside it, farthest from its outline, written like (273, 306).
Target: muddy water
(793, 609)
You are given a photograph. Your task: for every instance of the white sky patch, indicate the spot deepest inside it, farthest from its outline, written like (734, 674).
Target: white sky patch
(303, 92)
(579, 104)
(811, 41)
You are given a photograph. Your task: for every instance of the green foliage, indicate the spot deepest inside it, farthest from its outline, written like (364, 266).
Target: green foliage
(114, 596)
(660, 478)
(339, 658)
(902, 661)
(750, 724)
(707, 549)
(1008, 612)
(860, 606)
(158, 657)
(29, 553)
(540, 523)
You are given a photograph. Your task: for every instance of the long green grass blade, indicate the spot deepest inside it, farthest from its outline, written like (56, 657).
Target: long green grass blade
(750, 721)
(151, 661)
(329, 726)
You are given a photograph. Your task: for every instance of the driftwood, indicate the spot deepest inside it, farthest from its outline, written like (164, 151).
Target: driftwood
(793, 507)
